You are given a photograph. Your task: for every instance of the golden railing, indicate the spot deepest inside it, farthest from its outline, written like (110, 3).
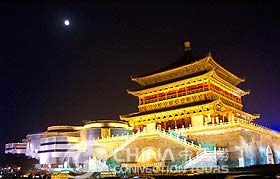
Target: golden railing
(130, 138)
(237, 123)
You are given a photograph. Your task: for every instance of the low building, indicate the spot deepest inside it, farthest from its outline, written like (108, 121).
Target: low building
(15, 148)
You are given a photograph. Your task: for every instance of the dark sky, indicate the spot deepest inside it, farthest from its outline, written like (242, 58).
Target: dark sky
(52, 74)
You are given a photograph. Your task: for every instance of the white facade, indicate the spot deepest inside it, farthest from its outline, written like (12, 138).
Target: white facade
(67, 146)
(15, 148)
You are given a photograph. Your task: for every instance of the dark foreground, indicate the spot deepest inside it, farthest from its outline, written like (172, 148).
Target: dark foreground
(253, 172)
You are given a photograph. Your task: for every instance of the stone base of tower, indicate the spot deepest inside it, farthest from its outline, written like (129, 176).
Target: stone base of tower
(245, 147)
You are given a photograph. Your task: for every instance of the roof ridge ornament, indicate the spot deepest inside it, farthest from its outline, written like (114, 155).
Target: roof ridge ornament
(187, 45)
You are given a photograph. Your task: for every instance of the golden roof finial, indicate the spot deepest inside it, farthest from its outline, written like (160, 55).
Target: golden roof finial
(187, 45)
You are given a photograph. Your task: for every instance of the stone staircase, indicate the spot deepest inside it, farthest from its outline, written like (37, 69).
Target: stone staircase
(168, 135)
(204, 159)
(177, 139)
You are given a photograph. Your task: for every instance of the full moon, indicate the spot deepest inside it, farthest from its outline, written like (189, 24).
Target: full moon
(67, 22)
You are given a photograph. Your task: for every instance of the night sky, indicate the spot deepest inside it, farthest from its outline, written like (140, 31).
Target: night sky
(54, 74)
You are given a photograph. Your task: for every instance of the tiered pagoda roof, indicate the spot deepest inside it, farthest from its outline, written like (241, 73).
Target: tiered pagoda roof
(186, 79)
(187, 70)
(190, 109)
(184, 67)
